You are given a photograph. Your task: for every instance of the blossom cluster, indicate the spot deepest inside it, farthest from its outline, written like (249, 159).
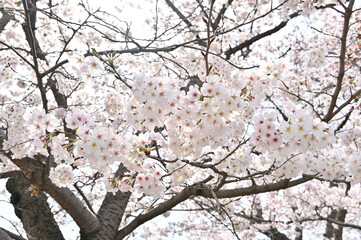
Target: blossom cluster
(17, 138)
(113, 104)
(302, 132)
(353, 166)
(317, 57)
(118, 183)
(99, 147)
(62, 175)
(306, 7)
(296, 145)
(150, 183)
(265, 136)
(160, 119)
(214, 109)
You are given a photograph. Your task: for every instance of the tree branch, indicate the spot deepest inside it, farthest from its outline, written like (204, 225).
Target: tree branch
(4, 235)
(221, 14)
(341, 71)
(180, 15)
(352, 97)
(160, 209)
(111, 212)
(282, 184)
(33, 209)
(5, 19)
(15, 173)
(249, 42)
(198, 190)
(274, 234)
(33, 170)
(12, 236)
(340, 223)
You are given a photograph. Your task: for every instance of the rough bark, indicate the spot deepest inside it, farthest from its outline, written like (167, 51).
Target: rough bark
(5, 19)
(12, 236)
(34, 171)
(4, 235)
(30, 29)
(34, 212)
(274, 234)
(299, 234)
(329, 227)
(110, 213)
(341, 216)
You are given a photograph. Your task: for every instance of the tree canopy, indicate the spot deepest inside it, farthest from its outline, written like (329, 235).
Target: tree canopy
(196, 119)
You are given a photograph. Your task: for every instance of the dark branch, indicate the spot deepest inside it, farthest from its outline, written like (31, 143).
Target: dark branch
(5, 19)
(201, 190)
(341, 71)
(249, 42)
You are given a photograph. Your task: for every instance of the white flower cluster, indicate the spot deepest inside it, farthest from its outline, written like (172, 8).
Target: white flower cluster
(235, 164)
(113, 104)
(83, 66)
(153, 99)
(6, 62)
(150, 183)
(40, 126)
(62, 175)
(215, 110)
(354, 167)
(306, 7)
(265, 137)
(351, 137)
(317, 57)
(114, 184)
(17, 135)
(202, 124)
(331, 164)
(98, 145)
(302, 132)
(297, 146)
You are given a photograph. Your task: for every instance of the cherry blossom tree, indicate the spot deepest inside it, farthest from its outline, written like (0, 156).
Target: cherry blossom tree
(200, 119)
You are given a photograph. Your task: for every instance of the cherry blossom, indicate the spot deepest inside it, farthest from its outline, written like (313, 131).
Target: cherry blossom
(245, 115)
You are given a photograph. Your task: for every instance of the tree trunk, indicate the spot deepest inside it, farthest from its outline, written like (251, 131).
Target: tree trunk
(329, 227)
(4, 235)
(33, 211)
(341, 216)
(274, 234)
(110, 213)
